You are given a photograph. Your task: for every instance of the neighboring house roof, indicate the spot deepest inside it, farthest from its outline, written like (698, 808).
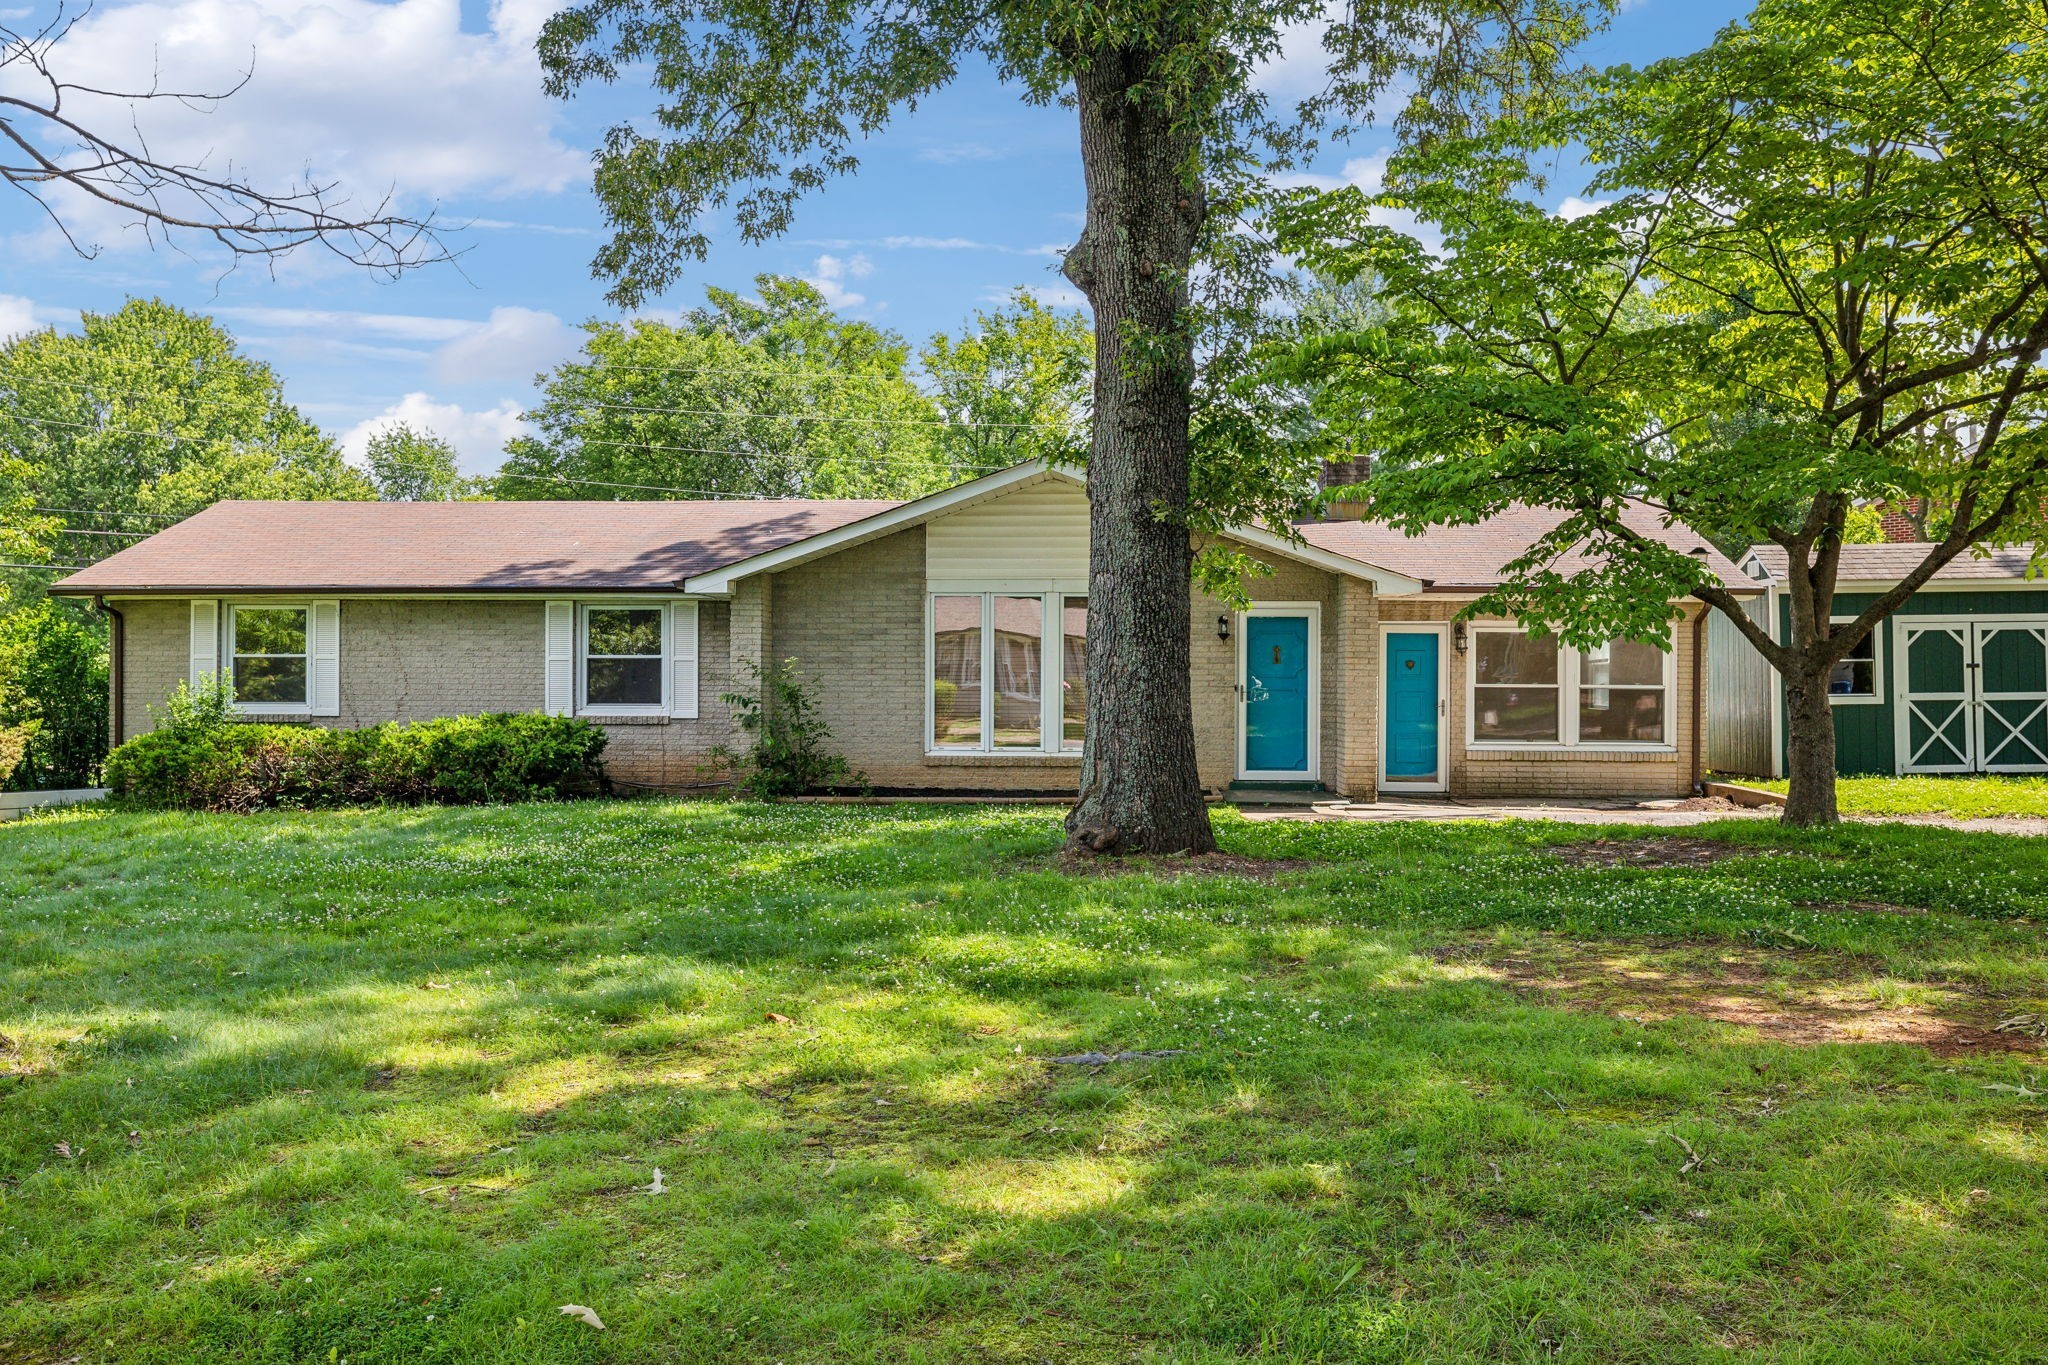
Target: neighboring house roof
(457, 546)
(1888, 563)
(1470, 558)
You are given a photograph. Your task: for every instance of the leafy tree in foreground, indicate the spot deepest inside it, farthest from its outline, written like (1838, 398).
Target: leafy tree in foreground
(773, 396)
(762, 102)
(1821, 280)
(1017, 380)
(409, 464)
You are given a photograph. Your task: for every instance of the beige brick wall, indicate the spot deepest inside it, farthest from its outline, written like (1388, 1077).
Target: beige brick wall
(854, 622)
(1484, 773)
(414, 659)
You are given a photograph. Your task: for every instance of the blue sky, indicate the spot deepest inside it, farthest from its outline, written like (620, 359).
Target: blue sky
(439, 100)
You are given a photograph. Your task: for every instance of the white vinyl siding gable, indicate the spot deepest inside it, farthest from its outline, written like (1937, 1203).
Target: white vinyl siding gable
(1038, 533)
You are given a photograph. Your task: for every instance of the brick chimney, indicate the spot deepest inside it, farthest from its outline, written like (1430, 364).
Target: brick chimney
(1901, 522)
(1346, 473)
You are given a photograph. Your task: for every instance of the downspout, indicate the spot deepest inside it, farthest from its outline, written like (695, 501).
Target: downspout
(117, 649)
(1699, 696)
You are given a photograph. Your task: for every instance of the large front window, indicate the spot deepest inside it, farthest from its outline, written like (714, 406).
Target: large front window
(622, 658)
(270, 656)
(991, 688)
(1537, 691)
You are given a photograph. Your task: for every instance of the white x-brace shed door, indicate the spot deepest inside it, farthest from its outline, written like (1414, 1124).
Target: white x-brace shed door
(1972, 696)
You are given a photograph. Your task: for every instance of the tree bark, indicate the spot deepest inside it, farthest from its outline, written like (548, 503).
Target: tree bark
(1810, 749)
(1140, 791)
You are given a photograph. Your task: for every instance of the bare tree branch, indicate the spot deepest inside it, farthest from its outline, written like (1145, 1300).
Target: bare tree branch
(45, 147)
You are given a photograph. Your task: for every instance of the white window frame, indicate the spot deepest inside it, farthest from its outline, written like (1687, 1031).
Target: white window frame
(1569, 672)
(1878, 692)
(233, 610)
(660, 656)
(1051, 642)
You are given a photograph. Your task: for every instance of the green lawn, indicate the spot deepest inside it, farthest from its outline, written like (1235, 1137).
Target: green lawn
(384, 1086)
(1967, 797)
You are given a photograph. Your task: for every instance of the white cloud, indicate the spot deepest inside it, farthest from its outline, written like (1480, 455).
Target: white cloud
(1575, 207)
(1050, 295)
(515, 344)
(17, 316)
(374, 95)
(951, 154)
(829, 274)
(478, 437)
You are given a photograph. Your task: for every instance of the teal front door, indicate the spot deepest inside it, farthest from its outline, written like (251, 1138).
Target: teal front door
(1276, 685)
(1413, 739)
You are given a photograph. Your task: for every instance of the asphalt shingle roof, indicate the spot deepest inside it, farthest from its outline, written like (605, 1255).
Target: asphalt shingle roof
(1453, 558)
(458, 546)
(1894, 560)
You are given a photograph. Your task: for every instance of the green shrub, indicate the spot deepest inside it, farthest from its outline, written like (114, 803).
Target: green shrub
(53, 683)
(201, 758)
(786, 754)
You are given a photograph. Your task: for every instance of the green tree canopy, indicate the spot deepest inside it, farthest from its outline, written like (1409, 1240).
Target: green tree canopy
(1019, 380)
(768, 396)
(147, 414)
(412, 464)
(1812, 278)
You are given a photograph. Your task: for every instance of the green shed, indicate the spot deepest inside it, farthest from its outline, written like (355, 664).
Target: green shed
(1956, 681)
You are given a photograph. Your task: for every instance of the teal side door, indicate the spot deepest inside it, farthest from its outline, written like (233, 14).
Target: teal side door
(1412, 742)
(1276, 698)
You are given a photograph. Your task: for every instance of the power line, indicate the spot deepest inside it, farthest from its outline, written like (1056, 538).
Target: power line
(70, 531)
(105, 512)
(64, 568)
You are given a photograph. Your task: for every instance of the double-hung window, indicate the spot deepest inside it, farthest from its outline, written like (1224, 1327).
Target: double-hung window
(1853, 679)
(622, 660)
(994, 684)
(271, 654)
(1538, 692)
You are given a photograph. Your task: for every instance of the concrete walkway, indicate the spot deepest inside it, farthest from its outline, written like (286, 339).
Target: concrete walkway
(1674, 813)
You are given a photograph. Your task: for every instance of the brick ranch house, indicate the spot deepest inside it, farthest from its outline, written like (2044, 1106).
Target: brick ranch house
(943, 638)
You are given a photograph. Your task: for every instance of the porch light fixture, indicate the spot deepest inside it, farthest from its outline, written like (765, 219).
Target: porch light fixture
(1223, 626)
(1458, 640)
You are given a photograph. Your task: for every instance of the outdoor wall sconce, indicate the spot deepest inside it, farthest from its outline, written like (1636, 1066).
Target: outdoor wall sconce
(1223, 627)
(1458, 641)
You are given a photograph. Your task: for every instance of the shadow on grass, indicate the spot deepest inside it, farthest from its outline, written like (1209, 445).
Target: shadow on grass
(382, 1086)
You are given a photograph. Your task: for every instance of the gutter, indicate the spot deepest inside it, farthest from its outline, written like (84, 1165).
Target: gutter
(117, 650)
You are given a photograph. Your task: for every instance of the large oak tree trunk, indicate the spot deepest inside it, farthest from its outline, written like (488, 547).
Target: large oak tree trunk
(1139, 788)
(1810, 750)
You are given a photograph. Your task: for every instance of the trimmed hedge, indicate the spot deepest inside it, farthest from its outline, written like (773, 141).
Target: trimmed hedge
(457, 760)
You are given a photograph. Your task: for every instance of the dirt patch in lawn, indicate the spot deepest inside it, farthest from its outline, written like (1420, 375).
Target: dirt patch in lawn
(1750, 989)
(1668, 851)
(1169, 865)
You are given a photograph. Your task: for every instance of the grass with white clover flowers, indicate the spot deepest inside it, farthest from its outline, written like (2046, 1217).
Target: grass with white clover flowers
(390, 1085)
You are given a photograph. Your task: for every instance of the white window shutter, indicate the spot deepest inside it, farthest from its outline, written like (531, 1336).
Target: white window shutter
(561, 658)
(323, 666)
(205, 642)
(682, 660)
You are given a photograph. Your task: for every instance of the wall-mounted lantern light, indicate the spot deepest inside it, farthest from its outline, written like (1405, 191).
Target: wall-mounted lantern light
(1458, 640)
(1223, 626)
